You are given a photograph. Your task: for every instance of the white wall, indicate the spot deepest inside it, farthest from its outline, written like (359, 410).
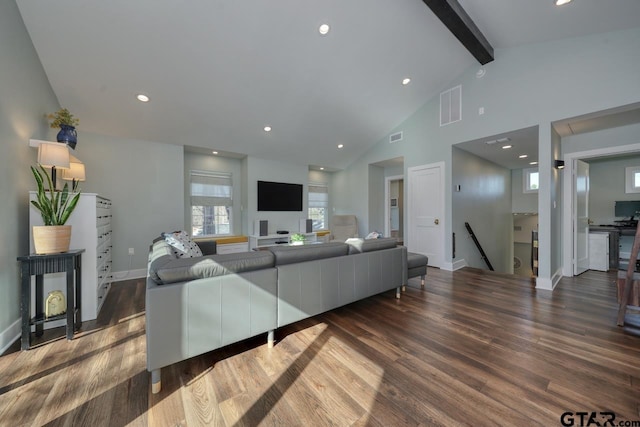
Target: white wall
(484, 201)
(618, 136)
(144, 180)
(25, 98)
(522, 202)
(534, 85)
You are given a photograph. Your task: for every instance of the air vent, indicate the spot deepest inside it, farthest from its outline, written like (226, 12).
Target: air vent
(451, 106)
(395, 137)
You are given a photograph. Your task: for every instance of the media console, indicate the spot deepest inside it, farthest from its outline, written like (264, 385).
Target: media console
(276, 239)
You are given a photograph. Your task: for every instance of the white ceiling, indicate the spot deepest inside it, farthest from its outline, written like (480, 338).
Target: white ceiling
(218, 71)
(522, 142)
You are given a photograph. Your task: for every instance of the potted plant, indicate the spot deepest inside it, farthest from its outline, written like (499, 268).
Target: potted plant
(55, 208)
(64, 120)
(297, 239)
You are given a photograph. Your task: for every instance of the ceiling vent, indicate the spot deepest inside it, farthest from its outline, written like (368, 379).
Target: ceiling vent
(451, 106)
(395, 137)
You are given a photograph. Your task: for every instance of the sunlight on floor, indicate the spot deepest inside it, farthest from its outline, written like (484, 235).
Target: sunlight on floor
(294, 368)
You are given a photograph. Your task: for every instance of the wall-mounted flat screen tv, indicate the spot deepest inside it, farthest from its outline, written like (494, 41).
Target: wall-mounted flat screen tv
(279, 196)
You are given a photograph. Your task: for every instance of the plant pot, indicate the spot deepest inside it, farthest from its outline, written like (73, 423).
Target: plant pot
(51, 239)
(297, 242)
(68, 135)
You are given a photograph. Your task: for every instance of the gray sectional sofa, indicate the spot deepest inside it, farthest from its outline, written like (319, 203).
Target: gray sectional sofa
(195, 305)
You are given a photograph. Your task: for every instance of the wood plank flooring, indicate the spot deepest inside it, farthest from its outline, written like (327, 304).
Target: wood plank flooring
(473, 348)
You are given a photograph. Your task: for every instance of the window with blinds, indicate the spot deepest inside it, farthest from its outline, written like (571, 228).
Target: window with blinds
(211, 203)
(318, 205)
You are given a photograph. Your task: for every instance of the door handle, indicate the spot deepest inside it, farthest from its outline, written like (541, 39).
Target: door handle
(436, 221)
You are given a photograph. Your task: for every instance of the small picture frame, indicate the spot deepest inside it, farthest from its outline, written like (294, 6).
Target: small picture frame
(55, 304)
(394, 202)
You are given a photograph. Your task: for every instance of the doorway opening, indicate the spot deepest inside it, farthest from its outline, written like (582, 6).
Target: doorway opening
(394, 207)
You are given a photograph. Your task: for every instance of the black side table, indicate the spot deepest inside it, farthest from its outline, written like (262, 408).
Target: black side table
(39, 265)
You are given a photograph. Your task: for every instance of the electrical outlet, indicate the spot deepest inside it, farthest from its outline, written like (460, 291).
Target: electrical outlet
(131, 251)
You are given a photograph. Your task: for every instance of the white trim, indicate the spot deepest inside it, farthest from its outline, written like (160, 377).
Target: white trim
(567, 190)
(119, 276)
(544, 284)
(549, 284)
(10, 335)
(387, 212)
(453, 266)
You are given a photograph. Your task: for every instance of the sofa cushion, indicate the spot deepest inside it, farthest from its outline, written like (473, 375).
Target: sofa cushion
(416, 260)
(301, 253)
(208, 246)
(357, 246)
(160, 253)
(183, 246)
(183, 269)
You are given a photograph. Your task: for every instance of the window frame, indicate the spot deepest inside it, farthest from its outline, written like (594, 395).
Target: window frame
(630, 173)
(325, 186)
(213, 175)
(526, 180)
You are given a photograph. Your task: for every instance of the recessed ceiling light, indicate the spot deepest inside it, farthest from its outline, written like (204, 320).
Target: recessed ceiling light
(215, 152)
(142, 97)
(267, 128)
(406, 81)
(490, 142)
(533, 163)
(506, 147)
(503, 140)
(522, 156)
(340, 145)
(480, 73)
(561, 2)
(321, 168)
(324, 29)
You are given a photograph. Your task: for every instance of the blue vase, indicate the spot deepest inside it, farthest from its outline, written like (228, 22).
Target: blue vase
(68, 135)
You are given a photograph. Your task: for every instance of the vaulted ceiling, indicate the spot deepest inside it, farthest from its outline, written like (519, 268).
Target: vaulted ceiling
(217, 72)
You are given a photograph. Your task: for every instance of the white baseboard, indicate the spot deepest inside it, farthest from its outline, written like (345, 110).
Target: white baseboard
(453, 266)
(461, 263)
(119, 276)
(556, 277)
(10, 335)
(549, 284)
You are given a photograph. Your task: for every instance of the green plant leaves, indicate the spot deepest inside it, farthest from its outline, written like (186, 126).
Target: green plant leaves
(55, 206)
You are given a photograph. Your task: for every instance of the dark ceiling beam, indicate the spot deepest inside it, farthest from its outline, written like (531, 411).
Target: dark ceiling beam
(462, 26)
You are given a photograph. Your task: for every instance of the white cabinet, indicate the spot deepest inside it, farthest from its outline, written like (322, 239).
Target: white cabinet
(277, 239)
(90, 230)
(599, 251)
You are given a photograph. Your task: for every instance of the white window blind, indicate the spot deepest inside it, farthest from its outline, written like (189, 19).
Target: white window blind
(211, 189)
(318, 196)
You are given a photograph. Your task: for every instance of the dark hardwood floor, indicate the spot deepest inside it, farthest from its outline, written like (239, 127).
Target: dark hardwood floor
(474, 348)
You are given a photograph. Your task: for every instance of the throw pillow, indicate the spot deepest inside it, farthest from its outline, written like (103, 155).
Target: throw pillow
(183, 246)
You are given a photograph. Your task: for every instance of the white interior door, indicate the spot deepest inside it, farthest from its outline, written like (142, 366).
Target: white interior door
(581, 219)
(425, 204)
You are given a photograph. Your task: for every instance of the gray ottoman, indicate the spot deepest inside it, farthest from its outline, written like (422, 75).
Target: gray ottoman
(417, 266)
